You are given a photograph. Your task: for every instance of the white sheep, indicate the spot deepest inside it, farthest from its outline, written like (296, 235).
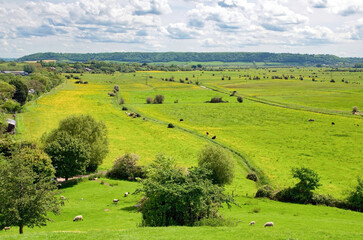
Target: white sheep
(115, 201)
(126, 194)
(78, 218)
(251, 223)
(269, 224)
(6, 228)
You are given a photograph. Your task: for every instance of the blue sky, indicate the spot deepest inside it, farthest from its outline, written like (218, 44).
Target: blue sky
(295, 26)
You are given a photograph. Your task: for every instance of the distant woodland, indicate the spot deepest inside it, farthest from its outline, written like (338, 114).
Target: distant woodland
(164, 57)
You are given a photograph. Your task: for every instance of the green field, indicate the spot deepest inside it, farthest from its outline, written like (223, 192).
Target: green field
(269, 131)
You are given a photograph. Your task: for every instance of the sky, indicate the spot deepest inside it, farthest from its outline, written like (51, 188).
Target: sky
(282, 26)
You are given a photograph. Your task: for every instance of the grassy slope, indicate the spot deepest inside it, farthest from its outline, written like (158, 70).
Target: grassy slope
(292, 221)
(268, 136)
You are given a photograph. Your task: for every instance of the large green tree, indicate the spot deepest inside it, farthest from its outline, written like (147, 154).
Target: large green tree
(69, 155)
(21, 91)
(91, 134)
(25, 196)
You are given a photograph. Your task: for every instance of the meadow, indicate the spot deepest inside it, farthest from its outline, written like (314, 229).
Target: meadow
(268, 132)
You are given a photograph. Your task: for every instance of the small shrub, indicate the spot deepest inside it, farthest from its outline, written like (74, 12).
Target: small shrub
(355, 110)
(240, 99)
(159, 99)
(265, 191)
(355, 198)
(116, 88)
(122, 101)
(332, 81)
(319, 199)
(219, 162)
(149, 100)
(216, 100)
(124, 108)
(252, 176)
(176, 101)
(102, 182)
(125, 167)
(170, 125)
(111, 94)
(11, 106)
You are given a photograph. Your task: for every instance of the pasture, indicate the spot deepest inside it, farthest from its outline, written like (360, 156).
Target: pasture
(269, 132)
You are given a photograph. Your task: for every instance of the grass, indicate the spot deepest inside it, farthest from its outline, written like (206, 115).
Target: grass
(104, 220)
(272, 139)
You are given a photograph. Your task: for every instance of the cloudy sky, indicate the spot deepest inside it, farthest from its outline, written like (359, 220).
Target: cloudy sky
(295, 26)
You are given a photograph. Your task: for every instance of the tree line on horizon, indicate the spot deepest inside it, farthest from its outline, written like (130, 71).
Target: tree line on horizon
(149, 57)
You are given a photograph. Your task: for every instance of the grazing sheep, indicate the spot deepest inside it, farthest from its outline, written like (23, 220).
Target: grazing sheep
(214, 137)
(251, 223)
(311, 120)
(115, 201)
(126, 194)
(6, 228)
(332, 123)
(181, 120)
(78, 218)
(269, 224)
(63, 198)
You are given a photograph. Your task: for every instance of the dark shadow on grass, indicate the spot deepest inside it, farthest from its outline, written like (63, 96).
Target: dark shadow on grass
(70, 183)
(129, 209)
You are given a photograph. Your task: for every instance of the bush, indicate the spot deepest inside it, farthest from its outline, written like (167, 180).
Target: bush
(170, 125)
(159, 99)
(126, 168)
(219, 162)
(111, 94)
(216, 100)
(176, 101)
(124, 108)
(116, 88)
(302, 191)
(252, 176)
(149, 100)
(240, 99)
(174, 197)
(355, 198)
(265, 191)
(355, 110)
(11, 106)
(319, 199)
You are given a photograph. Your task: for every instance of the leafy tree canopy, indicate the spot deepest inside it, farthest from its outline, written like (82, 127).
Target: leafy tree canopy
(25, 196)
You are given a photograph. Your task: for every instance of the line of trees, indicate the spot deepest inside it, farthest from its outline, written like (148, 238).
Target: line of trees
(148, 57)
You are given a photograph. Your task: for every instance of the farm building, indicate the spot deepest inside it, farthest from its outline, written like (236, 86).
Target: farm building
(11, 126)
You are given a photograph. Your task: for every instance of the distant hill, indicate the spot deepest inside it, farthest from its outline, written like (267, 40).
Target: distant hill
(148, 57)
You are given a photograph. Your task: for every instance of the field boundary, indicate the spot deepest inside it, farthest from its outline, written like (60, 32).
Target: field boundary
(277, 104)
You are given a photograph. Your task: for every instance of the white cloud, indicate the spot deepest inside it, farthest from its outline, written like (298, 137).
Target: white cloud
(341, 7)
(187, 25)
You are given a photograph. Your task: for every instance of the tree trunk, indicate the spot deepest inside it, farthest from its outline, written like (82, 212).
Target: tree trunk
(66, 179)
(21, 229)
